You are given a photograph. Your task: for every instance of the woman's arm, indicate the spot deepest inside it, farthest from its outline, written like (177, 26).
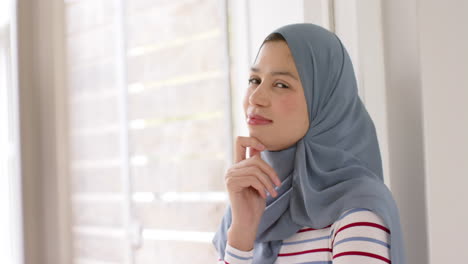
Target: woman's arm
(236, 256)
(360, 237)
(247, 182)
(239, 247)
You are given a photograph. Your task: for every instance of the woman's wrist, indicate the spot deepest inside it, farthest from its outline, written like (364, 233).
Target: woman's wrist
(241, 238)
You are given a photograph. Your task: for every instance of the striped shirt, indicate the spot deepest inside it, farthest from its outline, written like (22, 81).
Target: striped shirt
(358, 236)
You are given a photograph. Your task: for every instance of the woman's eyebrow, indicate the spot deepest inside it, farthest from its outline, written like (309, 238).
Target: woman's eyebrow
(277, 73)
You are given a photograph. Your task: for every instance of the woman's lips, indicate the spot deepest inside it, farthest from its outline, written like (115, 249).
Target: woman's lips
(258, 120)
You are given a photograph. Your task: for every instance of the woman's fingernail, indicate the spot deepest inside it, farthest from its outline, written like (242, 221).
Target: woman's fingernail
(278, 181)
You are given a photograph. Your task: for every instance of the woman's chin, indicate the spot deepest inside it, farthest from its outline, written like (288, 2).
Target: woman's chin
(257, 135)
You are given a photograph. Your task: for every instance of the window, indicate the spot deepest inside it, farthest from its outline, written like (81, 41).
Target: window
(147, 161)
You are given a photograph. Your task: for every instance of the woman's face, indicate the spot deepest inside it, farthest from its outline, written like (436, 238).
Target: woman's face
(276, 93)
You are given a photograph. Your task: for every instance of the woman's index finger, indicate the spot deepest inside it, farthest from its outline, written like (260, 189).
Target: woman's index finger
(241, 147)
(269, 171)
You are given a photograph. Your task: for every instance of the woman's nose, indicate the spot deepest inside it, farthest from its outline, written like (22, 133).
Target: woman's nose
(259, 96)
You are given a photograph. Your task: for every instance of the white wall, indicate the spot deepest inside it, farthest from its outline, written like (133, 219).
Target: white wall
(267, 15)
(443, 33)
(405, 128)
(427, 89)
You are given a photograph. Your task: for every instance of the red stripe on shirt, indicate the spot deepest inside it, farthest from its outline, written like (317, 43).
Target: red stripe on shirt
(304, 252)
(359, 253)
(361, 224)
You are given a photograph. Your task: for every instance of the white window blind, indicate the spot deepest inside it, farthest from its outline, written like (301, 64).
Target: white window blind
(177, 132)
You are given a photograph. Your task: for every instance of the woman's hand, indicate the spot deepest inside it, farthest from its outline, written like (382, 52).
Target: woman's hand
(247, 181)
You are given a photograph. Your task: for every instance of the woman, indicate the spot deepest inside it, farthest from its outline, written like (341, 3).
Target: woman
(313, 148)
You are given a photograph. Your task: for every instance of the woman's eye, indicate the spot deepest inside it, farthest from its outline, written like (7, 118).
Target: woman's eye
(253, 81)
(282, 85)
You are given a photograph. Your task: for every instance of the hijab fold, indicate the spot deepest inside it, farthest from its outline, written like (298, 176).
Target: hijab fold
(336, 166)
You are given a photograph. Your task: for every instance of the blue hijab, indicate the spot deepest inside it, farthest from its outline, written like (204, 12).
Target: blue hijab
(336, 166)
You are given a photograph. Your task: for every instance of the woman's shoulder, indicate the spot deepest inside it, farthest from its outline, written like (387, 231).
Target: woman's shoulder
(351, 216)
(359, 217)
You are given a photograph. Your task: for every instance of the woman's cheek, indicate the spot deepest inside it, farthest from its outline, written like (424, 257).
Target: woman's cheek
(293, 111)
(289, 104)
